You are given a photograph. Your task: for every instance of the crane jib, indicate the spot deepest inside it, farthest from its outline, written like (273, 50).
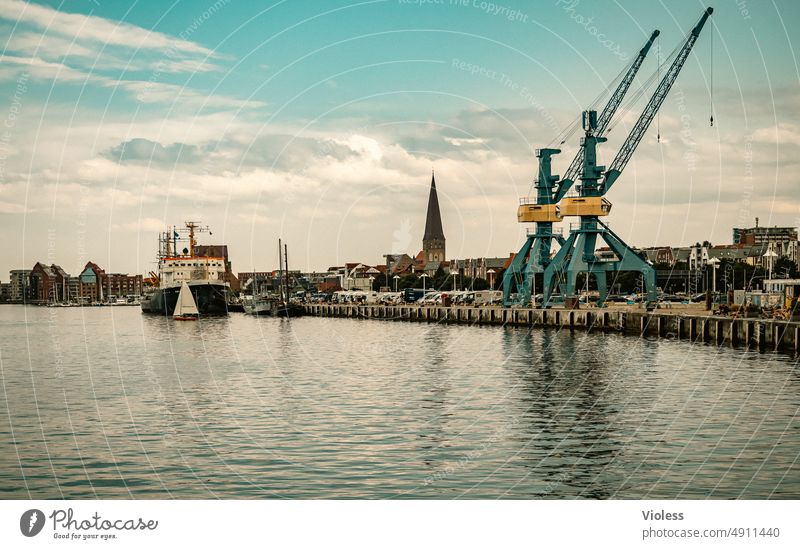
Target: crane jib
(605, 118)
(637, 133)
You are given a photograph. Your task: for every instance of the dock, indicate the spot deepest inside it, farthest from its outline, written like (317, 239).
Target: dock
(753, 333)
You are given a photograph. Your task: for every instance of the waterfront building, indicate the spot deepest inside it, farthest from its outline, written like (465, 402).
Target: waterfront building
(49, 283)
(95, 285)
(5, 291)
(123, 285)
(255, 282)
(19, 285)
(480, 267)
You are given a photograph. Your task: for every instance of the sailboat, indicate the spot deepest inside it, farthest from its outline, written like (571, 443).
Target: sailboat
(265, 304)
(185, 308)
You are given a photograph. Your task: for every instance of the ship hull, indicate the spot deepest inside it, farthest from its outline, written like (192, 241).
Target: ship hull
(211, 299)
(273, 307)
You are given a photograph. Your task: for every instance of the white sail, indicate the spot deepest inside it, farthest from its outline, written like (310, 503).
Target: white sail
(185, 305)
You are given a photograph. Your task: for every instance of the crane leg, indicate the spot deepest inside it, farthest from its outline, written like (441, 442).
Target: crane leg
(630, 261)
(556, 268)
(516, 275)
(602, 287)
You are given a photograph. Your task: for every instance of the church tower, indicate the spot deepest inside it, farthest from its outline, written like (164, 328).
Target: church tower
(433, 240)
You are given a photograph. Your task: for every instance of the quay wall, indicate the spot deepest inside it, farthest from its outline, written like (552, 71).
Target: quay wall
(757, 333)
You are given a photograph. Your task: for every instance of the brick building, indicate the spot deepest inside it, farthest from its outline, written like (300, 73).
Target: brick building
(49, 284)
(95, 285)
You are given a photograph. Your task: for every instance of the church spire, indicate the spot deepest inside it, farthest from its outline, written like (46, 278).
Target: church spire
(433, 220)
(433, 241)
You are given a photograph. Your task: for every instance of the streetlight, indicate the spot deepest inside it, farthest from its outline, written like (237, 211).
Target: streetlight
(770, 254)
(491, 272)
(396, 278)
(423, 276)
(715, 262)
(371, 282)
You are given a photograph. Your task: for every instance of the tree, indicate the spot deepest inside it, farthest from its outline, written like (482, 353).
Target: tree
(785, 268)
(478, 284)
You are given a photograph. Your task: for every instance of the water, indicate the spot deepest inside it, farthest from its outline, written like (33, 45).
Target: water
(109, 403)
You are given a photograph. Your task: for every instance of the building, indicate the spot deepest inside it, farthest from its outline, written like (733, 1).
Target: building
(95, 285)
(219, 250)
(433, 241)
(663, 255)
(90, 283)
(487, 268)
(123, 285)
(360, 276)
(764, 236)
(20, 285)
(399, 264)
(255, 282)
(49, 284)
(5, 291)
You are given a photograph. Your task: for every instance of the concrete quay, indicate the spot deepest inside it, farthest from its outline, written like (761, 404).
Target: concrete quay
(755, 333)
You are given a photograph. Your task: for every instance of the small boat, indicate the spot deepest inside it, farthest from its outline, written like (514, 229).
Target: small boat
(266, 304)
(185, 308)
(260, 305)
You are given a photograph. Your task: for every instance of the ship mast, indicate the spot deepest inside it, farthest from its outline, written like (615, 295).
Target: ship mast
(286, 262)
(280, 269)
(193, 226)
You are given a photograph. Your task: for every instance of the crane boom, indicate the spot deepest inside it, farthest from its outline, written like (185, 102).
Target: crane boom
(649, 112)
(605, 118)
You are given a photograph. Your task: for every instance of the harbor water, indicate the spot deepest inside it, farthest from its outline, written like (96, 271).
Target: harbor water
(108, 403)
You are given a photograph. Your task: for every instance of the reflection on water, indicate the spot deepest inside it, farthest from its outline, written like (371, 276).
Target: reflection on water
(106, 402)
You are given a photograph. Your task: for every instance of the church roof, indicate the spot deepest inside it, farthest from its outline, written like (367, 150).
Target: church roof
(433, 221)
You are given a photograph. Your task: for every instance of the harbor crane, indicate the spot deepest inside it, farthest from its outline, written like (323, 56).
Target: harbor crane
(577, 254)
(543, 209)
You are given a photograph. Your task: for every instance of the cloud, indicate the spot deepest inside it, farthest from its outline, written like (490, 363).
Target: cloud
(144, 151)
(59, 49)
(45, 70)
(98, 30)
(147, 92)
(145, 224)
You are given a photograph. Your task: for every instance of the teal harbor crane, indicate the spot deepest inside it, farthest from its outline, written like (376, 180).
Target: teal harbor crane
(577, 255)
(543, 209)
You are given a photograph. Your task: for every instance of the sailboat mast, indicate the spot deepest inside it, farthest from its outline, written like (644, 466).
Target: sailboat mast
(286, 261)
(280, 270)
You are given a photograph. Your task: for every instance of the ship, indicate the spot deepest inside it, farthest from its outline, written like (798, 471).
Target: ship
(267, 304)
(204, 276)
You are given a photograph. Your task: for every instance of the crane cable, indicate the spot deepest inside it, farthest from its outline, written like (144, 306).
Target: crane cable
(630, 101)
(711, 120)
(658, 73)
(574, 126)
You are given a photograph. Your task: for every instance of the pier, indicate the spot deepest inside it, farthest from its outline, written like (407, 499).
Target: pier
(756, 333)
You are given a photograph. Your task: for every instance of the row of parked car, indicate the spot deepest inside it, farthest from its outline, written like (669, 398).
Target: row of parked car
(476, 298)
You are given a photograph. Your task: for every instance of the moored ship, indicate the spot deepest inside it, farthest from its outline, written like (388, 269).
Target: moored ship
(267, 304)
(204, 276)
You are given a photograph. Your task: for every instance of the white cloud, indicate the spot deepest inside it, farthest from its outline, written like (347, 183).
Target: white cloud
(95, 29)
(141, 90)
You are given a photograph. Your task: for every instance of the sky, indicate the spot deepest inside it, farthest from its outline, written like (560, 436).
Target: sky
(320, 122)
